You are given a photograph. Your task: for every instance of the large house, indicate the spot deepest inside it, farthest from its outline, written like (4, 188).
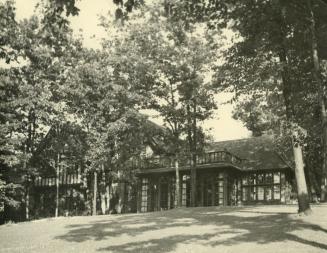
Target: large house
(237, 172)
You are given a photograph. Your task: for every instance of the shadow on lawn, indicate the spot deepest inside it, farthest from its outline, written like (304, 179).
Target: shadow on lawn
(162, 231)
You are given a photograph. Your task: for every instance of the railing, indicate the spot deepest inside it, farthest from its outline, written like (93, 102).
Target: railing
(148, 163)
(67, 179)
(202, 159)
(218, 157)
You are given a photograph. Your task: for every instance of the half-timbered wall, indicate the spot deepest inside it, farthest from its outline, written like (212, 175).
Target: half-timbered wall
(266, 187)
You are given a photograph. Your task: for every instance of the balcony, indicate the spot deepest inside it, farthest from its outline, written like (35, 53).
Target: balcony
(215, 157)
(66, 179)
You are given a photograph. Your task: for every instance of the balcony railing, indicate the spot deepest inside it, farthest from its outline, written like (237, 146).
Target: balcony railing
(218, 157)
(66, 179)
(202, 159)
(215, 157)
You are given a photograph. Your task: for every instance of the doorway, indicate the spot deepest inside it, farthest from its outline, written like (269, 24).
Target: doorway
(163, 194)
(219, 190)
(208, 189)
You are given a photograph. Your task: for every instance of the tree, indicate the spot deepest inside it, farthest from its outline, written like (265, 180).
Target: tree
(174, 62)
(9, 31)
(31, 102)
(268, 47)
(100, 95)
(321, 93)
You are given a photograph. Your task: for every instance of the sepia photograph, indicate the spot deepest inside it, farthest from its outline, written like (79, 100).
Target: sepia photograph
(163, 126)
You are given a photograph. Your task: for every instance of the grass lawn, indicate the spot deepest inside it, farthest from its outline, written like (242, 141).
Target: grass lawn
(212, 229)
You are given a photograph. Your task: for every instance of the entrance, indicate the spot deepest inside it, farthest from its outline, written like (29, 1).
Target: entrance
(163, 194)
(219, 190)
(208, 188)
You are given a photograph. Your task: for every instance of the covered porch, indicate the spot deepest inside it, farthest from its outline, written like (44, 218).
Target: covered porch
(216, 184)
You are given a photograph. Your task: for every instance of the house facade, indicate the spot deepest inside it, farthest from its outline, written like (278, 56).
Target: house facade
(229, 173)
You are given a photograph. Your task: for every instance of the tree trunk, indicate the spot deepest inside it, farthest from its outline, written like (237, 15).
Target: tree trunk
(178, 190)
(27, 202)
(191, 132)
(103, 202)
(194, 152)
(302, 192)
(103, 190)
(27, 196)
(323, 195)
(193, 181)
(57, 184)
(321, 97)
(108, 198)
(95, 193)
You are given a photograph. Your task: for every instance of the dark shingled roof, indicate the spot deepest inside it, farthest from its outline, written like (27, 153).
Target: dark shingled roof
(259, 153)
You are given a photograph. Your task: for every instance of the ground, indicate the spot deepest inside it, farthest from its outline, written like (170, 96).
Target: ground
(212, 229)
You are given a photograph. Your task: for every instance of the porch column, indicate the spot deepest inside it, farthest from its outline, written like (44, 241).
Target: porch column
(225, 189)
(193, 181)
(202, 190)
(159, 195)
(169, 187)
(213, 191)
(139, 195)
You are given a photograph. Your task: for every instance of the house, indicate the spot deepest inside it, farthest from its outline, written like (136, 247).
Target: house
(60, 174)
(237, 172)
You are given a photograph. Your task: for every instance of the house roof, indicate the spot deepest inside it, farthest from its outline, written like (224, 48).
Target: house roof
(257, 153)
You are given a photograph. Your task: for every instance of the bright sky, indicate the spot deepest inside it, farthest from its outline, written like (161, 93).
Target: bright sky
(223, 126)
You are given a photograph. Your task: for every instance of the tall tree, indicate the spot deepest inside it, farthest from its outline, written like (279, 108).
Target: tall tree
(32, 102)
(176, 61)
(100, 95)
(321, 91)
(269, 34)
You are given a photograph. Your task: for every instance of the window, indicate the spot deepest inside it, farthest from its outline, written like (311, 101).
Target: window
(269, 178)
(219, 191)
(261, 178)
(245, 193)
(268, 191)
(277, 192)
(253, 195)
(252, 179)
(262, 186)
(276, 178)
(282, 178)
(173, 200)
(144, 195)
(261, 193)
(186, 190)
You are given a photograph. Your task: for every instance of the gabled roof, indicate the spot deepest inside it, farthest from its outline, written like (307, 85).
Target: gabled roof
(257, 153)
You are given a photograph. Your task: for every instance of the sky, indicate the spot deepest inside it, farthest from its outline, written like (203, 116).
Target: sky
(222, 126)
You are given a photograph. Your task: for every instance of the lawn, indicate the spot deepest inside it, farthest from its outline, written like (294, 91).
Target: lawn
(212, 229)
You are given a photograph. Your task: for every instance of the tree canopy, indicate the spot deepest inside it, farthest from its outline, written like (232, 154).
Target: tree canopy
(159, 57)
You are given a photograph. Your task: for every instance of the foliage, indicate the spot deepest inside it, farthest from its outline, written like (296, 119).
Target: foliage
(273, 37)
(8, 32)
(30, 92)
(106, 105)
(174, 62)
